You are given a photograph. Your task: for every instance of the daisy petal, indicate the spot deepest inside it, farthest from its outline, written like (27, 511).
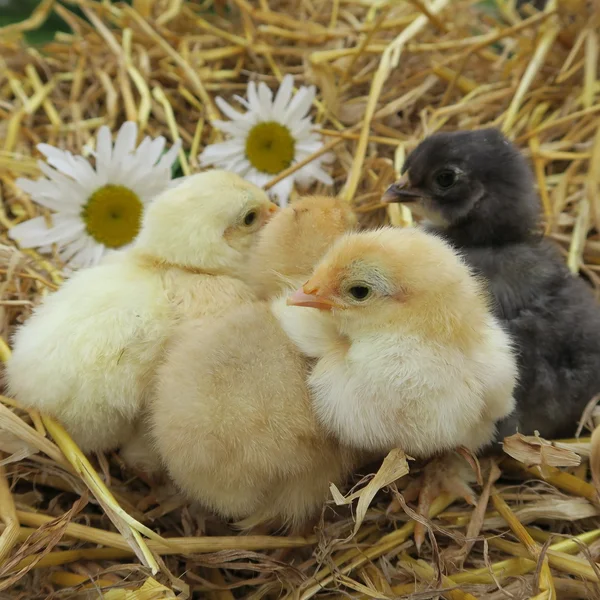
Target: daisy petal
(265, 96)
(29, 234)
(304, 149)
(255, 104)
(242, 101)
(239, 165)
(35, 232)
(327, 158)
(103, 149)
(256, 177)
(85, 175)
(302, 129)
(227, 109)
(97, 253)
(284, 95)
(78, 194)
(253, 97)
(235, 128)
(45, 194)
(313, 172)
(72, 249)
(168, 158)
(85, 256)
(300, 105)
(282, 191)
(125, 142)
(221, 151)
(51, 152)
(145, 144)
(63, 161)
(155, 149)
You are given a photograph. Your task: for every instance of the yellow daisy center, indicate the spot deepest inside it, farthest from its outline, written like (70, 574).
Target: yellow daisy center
(270, 147)
(113, 215)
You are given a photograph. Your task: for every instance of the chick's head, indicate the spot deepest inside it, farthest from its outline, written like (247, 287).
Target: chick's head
(207, 222)
(381, 280)
(469, 176)
(295, 239)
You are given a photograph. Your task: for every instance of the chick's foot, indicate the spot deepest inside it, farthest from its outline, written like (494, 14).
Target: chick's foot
(451, 473)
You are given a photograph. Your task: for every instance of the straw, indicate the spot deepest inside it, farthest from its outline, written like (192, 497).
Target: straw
(545, 583)
(387, 74)
(425, 572)
(9, 517)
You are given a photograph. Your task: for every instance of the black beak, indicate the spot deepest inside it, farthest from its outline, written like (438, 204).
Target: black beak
(401, 191)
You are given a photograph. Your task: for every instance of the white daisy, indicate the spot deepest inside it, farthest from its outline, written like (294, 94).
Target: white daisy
(271, 136)
(96, 210)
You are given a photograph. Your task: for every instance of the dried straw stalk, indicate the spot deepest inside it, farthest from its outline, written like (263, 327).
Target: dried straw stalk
(388, 74)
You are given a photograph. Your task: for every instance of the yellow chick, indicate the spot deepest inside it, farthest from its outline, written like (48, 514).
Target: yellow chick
(410, 355)
(88, 354)
(232, 418)
(294, 241)
(418, 360)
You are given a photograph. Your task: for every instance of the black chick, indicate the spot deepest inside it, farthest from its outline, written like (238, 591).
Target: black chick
(477, 190)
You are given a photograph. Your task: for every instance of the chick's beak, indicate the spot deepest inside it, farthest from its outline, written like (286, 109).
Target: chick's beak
(312, 300)
(271, 211)
(401, 191)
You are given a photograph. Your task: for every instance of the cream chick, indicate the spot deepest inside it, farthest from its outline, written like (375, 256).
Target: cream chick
(208, 223)
(294, 241)
(89, 352)
(233, 422)
(232, 418)
(410, 355)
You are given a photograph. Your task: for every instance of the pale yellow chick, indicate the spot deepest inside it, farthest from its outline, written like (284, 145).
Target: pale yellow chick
(409, 355)
(417, 360)
(232, 418)
(294, 241)
(88, 354)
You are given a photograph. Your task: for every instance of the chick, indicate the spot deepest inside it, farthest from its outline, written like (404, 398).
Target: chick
(477, 190)
(88, 354)
(232, 418)
(294, 241)
(409, 355)
(417, 360)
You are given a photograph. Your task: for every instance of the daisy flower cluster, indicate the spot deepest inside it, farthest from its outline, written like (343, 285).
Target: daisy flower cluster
(99, 209)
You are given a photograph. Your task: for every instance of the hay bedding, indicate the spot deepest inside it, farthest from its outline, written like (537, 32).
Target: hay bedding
(388, 73)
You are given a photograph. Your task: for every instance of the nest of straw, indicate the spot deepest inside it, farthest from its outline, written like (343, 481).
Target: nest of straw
(388, 73)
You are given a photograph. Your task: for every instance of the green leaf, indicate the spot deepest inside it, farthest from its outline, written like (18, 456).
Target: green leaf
(16, 11)
(176, 170)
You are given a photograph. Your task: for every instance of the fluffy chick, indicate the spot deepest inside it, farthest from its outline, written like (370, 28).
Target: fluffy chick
(232, 417)
(88, 353)
(411, 356)
(477, 190)
(234, 425)
(294, 241)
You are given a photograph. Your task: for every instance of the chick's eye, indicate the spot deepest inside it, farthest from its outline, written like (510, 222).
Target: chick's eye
(250, 217)
(445, 179)
(359, 292)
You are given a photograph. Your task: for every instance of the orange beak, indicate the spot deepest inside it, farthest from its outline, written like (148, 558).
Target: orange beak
(312, 300)
(271, 210)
